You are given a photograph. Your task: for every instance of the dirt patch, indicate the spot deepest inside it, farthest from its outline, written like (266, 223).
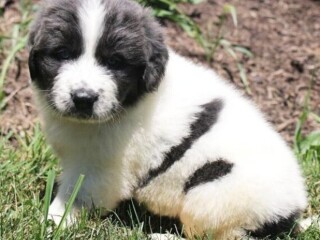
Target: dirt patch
(19, 113)
(283, 36)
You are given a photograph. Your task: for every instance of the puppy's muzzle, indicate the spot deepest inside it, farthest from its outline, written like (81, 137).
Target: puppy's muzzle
(84, 100)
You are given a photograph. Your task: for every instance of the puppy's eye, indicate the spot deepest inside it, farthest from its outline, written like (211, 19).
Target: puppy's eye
(116, 62)
(62, 54)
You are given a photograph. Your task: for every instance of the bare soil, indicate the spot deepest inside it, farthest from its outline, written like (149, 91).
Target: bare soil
(284, 37)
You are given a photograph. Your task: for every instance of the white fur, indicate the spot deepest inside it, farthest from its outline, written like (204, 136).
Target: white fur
(91, 16)
(114, 155)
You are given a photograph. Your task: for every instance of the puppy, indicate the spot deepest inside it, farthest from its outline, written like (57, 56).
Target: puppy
(140, 121)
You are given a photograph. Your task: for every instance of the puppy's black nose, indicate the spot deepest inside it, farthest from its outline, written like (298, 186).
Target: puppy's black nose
(84, 99)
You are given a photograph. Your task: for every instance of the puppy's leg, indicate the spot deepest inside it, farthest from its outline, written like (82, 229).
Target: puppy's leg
(57, 210)
(58, 207)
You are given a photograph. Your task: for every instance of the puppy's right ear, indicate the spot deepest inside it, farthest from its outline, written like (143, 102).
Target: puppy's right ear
(32, 64)
(156, 53)
(33, 39)
(31, 45)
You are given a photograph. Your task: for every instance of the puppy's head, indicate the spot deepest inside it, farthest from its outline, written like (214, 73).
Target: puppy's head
(91, 58)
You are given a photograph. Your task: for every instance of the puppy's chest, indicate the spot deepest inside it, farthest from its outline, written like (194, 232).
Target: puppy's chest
(98, 146)
(131, 150)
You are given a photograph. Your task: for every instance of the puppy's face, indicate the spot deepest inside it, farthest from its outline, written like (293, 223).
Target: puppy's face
(91, 58)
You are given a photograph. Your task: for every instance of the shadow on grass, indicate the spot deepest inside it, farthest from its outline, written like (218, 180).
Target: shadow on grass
(131, 214)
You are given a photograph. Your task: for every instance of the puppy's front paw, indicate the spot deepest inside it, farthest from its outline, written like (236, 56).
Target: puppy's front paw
(56, 212)
(56, 217)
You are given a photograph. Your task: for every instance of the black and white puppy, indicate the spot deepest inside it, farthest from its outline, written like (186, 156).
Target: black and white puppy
(140, 121)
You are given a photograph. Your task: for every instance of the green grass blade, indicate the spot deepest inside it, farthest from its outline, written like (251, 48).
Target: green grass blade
(47, 199)
(315, 117)
(243, 77)
(231, 52)
(230, 9)
(69, 205)
(243, 50)
(20, 45)
(195, 1)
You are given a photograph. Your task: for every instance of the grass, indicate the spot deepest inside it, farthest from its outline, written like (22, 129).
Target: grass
(168, 9)
(307, 148)
(214, 41)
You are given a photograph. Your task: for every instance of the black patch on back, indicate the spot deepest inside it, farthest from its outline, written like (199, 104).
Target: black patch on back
(209, 172)
(273, 230)
(205, 119)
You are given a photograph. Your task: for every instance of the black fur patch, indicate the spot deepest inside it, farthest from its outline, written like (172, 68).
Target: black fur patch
(135, 39)
(273, 230)
(209, 172)
(56, 27)
(204, 122)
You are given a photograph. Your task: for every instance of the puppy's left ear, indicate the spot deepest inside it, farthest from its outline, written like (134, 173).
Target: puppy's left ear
(156, 54)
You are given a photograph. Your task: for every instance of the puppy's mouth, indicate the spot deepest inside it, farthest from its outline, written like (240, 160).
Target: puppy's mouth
(89, 116)
(85, 114)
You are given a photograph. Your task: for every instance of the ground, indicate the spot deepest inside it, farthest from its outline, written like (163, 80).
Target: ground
(283, 37)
